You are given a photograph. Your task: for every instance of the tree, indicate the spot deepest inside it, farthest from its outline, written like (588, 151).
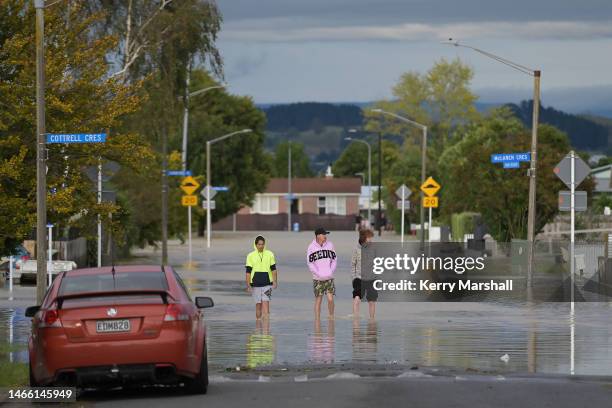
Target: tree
(300, 163)
(80, 97)
(440, 99)
(470, 182)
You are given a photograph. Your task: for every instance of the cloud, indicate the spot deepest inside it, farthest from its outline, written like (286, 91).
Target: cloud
(286, 30)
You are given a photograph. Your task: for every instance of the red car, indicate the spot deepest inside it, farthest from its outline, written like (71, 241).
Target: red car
(119, 325)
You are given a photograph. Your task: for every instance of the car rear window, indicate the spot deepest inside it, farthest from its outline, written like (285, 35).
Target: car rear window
(73, 284)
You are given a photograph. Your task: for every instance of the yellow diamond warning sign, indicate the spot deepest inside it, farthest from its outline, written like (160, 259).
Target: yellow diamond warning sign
(189, 185)
(430, 187)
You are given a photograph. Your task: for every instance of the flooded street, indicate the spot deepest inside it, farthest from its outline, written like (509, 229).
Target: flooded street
(473, 336)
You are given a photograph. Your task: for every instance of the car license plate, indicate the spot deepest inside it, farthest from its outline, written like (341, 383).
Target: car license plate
(110, 326)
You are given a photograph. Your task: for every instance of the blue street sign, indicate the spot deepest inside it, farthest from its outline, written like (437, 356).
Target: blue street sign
(290, 197)
(510, 157)
(221, 188)
(76, 138)
(512, 165)
(180, 173)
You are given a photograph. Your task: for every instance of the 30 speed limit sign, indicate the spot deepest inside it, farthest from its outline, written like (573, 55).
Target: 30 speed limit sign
(430, 202)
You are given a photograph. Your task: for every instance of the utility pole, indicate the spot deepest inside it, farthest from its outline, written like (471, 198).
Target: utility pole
(531, 215)
(379, 184)
(164, 195)
(41, 165)
(289, 199)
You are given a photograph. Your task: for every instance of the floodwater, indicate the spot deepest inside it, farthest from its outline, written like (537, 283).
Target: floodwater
(538, 338)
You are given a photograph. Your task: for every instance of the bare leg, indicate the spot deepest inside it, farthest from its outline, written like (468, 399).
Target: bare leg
(356, 301)
(265, 309)
(330, 304)
(258, 311)
(372, 308)
(317, 307)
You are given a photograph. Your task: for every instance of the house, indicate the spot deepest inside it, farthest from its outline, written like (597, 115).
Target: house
(327, 201)
(602, 176)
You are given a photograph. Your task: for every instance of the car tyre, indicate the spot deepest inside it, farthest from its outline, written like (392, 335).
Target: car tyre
(199, 384)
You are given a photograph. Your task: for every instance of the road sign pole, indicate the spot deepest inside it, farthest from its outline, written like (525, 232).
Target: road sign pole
(50, 260)
(208, 186)
(572, 226)
(189, 232)
(99, 218)
(572, 254)
(531, 209)
(11, 271)
(403, 207)
(429, 227)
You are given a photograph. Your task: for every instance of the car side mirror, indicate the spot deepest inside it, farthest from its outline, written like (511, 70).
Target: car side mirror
(31, 311)
(204, 302)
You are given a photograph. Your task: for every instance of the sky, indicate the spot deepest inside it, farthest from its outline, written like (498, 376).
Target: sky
(282, 51)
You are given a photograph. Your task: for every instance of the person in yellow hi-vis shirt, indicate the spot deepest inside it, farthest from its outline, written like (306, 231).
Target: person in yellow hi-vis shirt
(261, 277)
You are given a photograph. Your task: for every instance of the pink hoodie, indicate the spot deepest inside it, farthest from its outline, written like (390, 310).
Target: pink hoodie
(321, 260)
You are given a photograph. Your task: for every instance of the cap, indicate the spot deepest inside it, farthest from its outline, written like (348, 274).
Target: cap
(321, 230)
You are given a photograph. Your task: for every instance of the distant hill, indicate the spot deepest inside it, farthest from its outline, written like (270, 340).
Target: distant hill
(312, 116)
(584, 133)
(321, 127)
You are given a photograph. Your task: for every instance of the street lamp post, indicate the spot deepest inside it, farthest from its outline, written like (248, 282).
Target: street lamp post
(369, 170)
(289, 198)
(537, 75)
(184, 150)
(41, 166)
(208, 177)
(423, 161)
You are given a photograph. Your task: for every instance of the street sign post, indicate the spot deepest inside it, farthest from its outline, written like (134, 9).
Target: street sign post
(572, 170)
(430, 187)
(403, 192)
(189, 185)
(67, 138)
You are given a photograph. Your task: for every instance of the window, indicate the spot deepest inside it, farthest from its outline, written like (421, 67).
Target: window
(321, 205)
(126, 281)
(265, 204)
(334, 205)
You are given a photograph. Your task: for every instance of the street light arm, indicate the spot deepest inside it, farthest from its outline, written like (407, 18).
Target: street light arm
(511, 64)
(229, 135)
(403, 119)
(201, 91)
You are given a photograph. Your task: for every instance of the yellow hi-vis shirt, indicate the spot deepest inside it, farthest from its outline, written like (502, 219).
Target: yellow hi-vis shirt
(260, 262)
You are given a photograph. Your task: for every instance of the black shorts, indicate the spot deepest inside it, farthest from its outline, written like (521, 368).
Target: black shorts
(364, 287)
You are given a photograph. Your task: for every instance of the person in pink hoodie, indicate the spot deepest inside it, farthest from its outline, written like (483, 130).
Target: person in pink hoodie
(321, 260)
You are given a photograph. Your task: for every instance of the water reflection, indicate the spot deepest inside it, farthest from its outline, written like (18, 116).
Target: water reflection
(322, 346)
(365, 341)
(261, 345)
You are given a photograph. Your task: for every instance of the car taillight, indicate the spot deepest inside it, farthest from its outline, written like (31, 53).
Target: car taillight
(50, 318)
(175, 312)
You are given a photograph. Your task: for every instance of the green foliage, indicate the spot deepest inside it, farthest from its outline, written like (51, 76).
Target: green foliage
(602, 201)
(462, 224)
(470, 182)
(440, 99)
(80, 97)
(300, 164)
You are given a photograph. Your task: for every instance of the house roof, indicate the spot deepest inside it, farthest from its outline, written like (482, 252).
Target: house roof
(341, 185)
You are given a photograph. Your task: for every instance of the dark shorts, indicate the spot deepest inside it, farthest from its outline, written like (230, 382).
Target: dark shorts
(365, 287)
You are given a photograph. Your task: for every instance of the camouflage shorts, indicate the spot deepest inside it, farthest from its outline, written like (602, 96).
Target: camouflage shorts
(322, 287)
